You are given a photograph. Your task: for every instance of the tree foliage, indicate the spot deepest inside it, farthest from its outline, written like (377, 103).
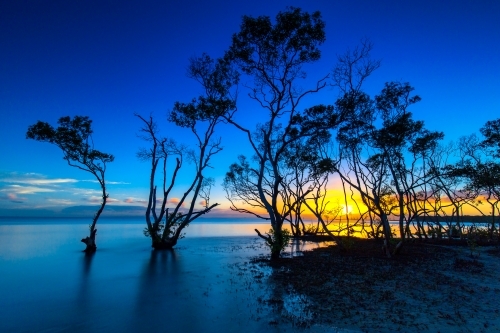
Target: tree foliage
(74, 138)
(201, 116)
(491, 132)
(272, 54)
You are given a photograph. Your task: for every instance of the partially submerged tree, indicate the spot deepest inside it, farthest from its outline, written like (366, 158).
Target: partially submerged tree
(74, 138)
(272, 54)
(201, 116)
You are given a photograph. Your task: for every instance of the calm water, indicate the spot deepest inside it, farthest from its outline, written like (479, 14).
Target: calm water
(207, 284)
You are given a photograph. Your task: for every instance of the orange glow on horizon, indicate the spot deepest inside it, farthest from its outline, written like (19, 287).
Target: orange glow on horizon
(339, 205)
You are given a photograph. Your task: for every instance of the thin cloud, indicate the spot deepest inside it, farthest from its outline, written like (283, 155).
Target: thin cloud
(229, 214)
(134, 200)
(12, 197)
(61, 201)
(174, 200)
(49, 192)
(96, 199)
(107, 182)
(18, 189)
(41, 181)
(85, 192)
(93, 199)
(34, 179)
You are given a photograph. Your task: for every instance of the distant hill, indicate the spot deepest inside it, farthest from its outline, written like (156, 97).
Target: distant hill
(109, 210)
(75, 211)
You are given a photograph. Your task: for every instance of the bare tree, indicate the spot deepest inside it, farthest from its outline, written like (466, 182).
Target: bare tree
(325, 211)
(480, 171)
(380, 143)
(381, 158)
(164, 225)
(201, 117)
(446, 192)
(299, 160)
(74, 138)
(491, 133)
(368, 178)
(354, 67)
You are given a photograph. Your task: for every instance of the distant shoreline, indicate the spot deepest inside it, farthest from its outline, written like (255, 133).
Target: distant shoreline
(135, 218)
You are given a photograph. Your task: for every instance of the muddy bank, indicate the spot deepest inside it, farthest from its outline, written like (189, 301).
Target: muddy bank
(428, 288)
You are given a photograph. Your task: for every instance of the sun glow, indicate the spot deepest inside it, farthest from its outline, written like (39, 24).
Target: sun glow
(346, 209)
(336, 201)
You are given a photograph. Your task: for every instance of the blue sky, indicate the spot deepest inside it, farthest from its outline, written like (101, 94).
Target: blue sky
(109, 59)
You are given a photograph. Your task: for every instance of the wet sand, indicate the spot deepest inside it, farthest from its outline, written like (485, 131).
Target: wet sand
(427, 288)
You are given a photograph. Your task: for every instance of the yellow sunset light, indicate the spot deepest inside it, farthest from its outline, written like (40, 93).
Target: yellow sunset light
(346, 210)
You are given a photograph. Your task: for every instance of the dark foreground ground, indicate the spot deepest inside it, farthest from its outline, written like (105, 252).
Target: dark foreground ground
(427, 288)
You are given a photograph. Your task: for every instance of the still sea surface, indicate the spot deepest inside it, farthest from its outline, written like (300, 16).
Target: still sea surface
(207, 284)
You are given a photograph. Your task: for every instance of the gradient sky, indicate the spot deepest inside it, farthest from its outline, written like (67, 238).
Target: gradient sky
(109, 59)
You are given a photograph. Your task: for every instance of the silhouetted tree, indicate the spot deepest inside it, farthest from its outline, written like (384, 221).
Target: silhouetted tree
(298, 158)
(272, 54)
(305, 186)
(491, 132)
(490, 178)
(379, 142)
(444, 192)
(382, 157)
(353, 67)
(73, 137)
(358, 117)
(322, 208)
(201, 116)
(480, 170)
(401, 140)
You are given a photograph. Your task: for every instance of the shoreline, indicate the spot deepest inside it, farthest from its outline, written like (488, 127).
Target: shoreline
(427, 288)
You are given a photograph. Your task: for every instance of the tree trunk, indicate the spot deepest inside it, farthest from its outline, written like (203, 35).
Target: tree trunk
(398, 248)
(164, 244)
(275, 255)
(90, 242)
(387, 234)
(492, 229)
(275, 248)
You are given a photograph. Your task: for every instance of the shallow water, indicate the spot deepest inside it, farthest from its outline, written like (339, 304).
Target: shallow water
(207, 284)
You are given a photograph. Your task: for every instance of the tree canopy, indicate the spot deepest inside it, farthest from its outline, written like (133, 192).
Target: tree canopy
(74, 138)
